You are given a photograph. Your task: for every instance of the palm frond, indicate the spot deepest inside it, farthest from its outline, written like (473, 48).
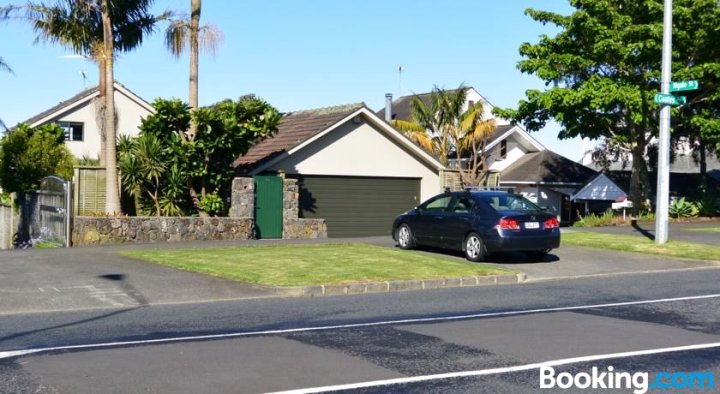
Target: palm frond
(417, 134)
(210, 38)
(176, 37)
(4, 66)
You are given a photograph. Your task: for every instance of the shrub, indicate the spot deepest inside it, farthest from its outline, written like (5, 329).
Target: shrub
(592, 220)
(680, 208)
(212, 204)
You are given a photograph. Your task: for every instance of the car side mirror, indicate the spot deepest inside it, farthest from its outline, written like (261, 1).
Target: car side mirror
(418, 210)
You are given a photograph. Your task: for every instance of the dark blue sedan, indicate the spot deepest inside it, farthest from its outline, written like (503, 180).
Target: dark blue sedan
(479, 223)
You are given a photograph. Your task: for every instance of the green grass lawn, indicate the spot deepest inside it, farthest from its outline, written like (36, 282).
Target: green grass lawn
(705, 229)
(302, 265)
(632, 243)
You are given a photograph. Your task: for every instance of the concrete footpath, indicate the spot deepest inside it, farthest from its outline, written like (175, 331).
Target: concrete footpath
(97, 277)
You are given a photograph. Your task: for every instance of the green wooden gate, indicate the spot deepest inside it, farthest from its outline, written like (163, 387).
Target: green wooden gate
(268, 206)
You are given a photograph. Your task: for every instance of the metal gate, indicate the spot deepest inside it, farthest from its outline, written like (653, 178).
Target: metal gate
(46, 214)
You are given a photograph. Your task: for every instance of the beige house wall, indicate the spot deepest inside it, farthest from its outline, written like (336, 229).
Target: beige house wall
(359, 149)
(130, 113)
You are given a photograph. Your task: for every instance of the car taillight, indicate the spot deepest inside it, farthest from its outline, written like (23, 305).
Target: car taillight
(552, 223)
(508, 224)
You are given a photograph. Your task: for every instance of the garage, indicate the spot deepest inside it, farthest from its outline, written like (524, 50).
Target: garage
(356, 206)
(353, 170)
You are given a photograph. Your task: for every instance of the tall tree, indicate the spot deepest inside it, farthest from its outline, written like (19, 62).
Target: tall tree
(184, 32)
(4, 67)
(605, 67)
(473, 133)
(95, 28)
(433, 125)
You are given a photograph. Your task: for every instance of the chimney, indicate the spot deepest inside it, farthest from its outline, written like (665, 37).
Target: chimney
(388, 107)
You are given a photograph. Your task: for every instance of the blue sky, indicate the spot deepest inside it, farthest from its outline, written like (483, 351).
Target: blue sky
(306, 54)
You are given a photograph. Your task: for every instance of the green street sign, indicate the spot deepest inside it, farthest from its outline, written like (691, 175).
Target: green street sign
(669, 99)
(684, 85)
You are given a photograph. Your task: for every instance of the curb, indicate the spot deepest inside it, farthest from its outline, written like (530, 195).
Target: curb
(395, 286)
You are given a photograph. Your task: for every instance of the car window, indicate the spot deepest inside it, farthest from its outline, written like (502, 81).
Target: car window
(438, 204)
(463, 205)
(510, 202)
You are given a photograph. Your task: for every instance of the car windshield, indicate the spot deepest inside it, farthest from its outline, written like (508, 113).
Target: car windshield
(510, 202)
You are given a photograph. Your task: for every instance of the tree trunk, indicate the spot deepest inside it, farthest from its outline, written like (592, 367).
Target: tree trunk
(112, 192)
(639, 179)
(703, 163)
(101, 109)
(195, 7)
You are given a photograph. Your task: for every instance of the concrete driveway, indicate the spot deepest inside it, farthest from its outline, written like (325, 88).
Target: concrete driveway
(90, 278)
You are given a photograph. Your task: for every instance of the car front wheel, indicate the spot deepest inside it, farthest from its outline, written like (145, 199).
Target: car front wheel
(474, 248)
(405, 237)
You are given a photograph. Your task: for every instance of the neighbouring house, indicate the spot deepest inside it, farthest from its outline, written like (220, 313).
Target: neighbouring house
(353, 169)
(518, 161)
(685, 177)
(77, 116)
(598, 194)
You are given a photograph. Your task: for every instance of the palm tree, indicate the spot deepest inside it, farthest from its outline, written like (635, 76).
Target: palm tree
(433, 125)
(97, 29)
(472, 137)
(178, 35)
(4, 66)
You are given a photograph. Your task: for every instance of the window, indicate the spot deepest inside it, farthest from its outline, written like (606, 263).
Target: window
(510, 202)
(73, 131)
(503, 149)
(438, 204)
(463, 205)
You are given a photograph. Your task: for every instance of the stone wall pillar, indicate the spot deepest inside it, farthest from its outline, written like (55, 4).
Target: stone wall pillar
(293, 226)
(291, 198)
(242, 200)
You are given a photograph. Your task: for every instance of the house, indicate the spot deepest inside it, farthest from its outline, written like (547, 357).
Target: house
(77, 116)
(516, 160)
(353, 169)
(685, 174)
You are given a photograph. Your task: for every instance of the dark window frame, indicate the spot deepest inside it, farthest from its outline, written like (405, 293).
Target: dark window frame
(72, 129)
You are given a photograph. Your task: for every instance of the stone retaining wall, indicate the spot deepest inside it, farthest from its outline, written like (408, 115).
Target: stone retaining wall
(103, 231)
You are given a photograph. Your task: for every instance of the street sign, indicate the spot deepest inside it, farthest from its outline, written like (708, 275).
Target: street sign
(684, 85)
(669, 99)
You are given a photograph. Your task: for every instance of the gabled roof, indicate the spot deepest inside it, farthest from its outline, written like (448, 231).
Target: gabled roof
(546, 167)
(81, 98)
(401, 105)
(294, 128)
(600, 188)
(300, 128)
(401, 111)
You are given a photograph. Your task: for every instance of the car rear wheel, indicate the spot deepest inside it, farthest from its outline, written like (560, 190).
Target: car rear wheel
(405, 237)
(474, 248)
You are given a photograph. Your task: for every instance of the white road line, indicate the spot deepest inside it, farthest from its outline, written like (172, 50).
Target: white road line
(497, 371)
(23, 352)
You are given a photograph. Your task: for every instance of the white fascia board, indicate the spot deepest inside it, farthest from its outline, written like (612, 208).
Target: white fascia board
(400, 138)
(135, 98)
(305, 143)
(376, 121)
(66, 108)
(587, 186)
(524, 134)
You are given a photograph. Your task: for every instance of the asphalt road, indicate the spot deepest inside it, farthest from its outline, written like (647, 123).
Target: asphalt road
(265, 345)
